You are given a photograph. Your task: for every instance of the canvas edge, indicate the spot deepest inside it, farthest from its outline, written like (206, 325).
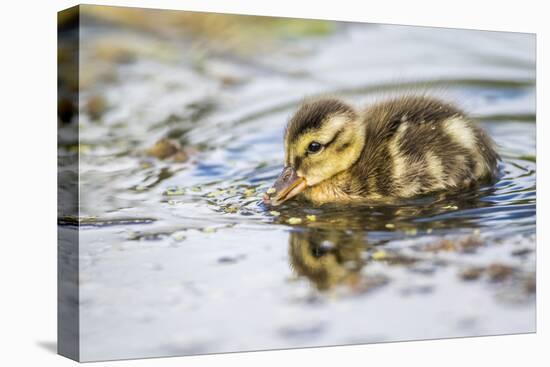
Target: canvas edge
(68, 300)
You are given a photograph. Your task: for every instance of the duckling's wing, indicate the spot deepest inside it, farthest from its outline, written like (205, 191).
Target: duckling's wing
(416, 145)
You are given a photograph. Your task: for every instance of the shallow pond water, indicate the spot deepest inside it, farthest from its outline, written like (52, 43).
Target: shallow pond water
(181, 257)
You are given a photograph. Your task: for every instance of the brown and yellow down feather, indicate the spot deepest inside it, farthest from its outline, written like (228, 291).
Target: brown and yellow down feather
(413, 145)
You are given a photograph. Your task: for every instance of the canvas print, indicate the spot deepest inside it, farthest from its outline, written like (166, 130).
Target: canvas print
(235, 183)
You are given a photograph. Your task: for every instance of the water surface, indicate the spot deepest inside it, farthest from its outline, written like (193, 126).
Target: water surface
(182, 258)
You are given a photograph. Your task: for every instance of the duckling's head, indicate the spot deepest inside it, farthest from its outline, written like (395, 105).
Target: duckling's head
(323, 138)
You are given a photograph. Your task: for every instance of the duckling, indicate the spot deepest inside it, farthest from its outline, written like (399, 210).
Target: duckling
(396, 149)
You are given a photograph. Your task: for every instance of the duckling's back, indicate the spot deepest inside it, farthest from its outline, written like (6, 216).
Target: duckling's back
(416, 145)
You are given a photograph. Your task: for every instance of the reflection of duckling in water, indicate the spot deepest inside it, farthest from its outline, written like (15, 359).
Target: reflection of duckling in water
(327, 258)
(400, 148)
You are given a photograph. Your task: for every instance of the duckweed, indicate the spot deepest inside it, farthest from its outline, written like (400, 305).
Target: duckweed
(294, 220)
(175, 191)
(178, 236)
(209, 230)
(379, 255)
(215, 193)
(230, 209)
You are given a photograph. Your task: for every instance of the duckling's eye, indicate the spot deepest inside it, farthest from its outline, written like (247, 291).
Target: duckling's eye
(314, 147)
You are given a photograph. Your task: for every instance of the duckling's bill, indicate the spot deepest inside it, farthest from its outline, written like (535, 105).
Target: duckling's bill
(287, 185)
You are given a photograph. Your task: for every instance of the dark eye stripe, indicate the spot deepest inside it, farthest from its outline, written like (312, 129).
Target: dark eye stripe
(343, 147)
(334, 138)
(298, 160)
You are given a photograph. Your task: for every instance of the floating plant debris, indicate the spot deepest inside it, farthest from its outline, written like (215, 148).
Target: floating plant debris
(452, 207)
(96, 107)
(471, 273)
(379, 255)
(466, 244)
(209, 230)
(178, 236)
(215, 193)
(294, 220)
(499, 272)
(167, 148)
(175, 191)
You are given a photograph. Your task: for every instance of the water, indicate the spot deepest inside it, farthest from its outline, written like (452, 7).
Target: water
(182, 258)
